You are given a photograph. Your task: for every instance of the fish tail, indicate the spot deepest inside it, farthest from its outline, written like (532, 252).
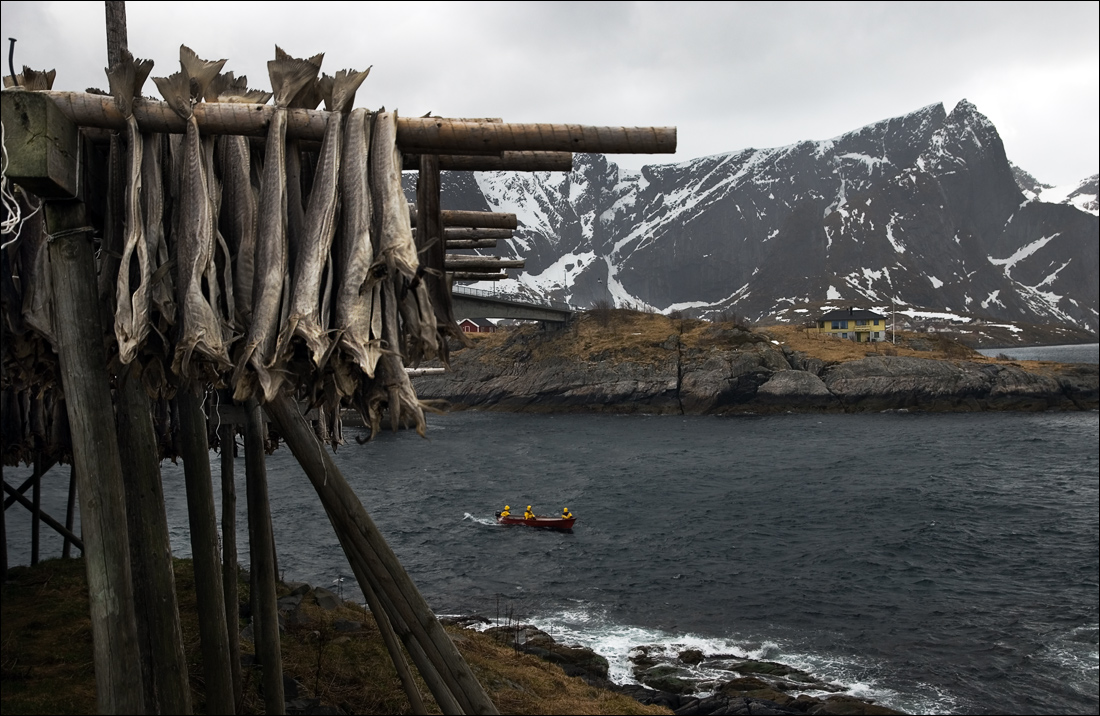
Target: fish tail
(288, 77)
(176, 90)
(344, 86)
(200, 73)
(121, 80)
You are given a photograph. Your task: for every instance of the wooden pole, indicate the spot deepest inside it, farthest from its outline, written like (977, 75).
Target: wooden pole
(70, 510)
(230, 575)
(209, 594)
(430, 246)
(4, 535)
(265, 612)
(116, 30)
(473, 276)
(415, 135)
(163, 662)
(457, 244)
(97, 461)
(439, 662)
(481, 263)
(470, 219)
(464, 234)
(36, 505)
(504, 162)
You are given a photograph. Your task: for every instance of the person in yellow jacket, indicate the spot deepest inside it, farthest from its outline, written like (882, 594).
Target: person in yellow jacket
(566, 514)
(528, 514)
(506, 511)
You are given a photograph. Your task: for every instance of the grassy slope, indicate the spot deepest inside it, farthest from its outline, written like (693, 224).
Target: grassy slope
(46, 664)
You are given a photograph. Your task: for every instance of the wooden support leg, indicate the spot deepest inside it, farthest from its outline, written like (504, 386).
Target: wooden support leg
(50, 521)
(36, 506)
(3, 537)
(70, 512)
(265, 614)
(163, 658)
(209, 593)
(444, 670)
(227, 436)
(95, 454)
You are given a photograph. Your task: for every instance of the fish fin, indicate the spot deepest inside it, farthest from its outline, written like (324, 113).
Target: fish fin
(324, 88)
(344, 87)
(200, 72)
(120, 79)
(288, 77)
(142, 68)
(175, 88)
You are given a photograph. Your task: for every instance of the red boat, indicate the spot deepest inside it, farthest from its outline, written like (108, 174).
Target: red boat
(554, 523)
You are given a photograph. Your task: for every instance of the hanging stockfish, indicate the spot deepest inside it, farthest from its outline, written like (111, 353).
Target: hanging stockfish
(307, 98)
(396, 245)
(312, 275)
(395, 257)
(199, 326)
(288, 77)
(240, 197)
(131, 306)
(358, 289)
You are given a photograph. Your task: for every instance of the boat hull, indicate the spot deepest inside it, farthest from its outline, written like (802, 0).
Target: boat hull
(554, 523)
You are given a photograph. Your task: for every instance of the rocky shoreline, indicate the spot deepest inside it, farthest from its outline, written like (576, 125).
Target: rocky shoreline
(685, 681)
(737, 371)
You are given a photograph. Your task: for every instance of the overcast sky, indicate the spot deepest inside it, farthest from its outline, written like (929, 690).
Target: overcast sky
(727, 75)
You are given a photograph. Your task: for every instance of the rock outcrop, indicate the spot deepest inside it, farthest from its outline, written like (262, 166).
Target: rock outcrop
(754, 377)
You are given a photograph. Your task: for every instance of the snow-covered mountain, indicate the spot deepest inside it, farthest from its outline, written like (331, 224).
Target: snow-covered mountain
(923, 209)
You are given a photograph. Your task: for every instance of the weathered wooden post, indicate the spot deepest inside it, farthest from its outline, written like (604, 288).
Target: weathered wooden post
(42, 145)
(164, 663)
(447, 674)
(230, 576)
(206, 557)
(265, 613)
(36, 501)
(70, 512)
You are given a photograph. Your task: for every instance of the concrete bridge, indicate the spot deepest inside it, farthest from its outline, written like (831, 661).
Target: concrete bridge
(476, 303)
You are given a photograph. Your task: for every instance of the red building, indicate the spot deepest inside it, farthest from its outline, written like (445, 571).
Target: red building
(477, 325)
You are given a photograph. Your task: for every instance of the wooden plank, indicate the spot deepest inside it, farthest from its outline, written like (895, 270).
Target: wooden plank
(416, 135)
(95, 454)
(230, 574)
(503, 162)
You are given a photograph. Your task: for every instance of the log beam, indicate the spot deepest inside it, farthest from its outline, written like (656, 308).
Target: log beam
(481, 263)
(472, 244)
(504, 162)
(415, 135)
(472, 219)
(469, 234)
(474, 276)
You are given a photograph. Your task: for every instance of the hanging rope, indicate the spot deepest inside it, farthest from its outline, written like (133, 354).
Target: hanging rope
(13, 214)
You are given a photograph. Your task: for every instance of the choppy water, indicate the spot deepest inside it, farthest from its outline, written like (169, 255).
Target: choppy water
(944, 563)
(1076, 353)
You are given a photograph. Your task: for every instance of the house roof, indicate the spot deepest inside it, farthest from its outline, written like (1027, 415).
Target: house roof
(479, 322)
(848, 314)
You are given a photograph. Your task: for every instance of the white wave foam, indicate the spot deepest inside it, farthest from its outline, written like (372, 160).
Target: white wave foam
(616, 642)
(480, 520)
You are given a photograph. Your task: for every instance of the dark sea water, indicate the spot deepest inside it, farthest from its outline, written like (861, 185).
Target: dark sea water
(936, 563)
(1076, 353)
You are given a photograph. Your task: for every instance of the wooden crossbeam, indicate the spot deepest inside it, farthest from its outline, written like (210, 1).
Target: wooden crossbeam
(474, 276)
(416, 135)
(451, 234)
(57, 526)
(481, 263)
(504, 162)
(472, 219)
(470, 244)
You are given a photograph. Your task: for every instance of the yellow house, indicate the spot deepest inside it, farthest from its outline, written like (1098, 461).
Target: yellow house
(855, 324)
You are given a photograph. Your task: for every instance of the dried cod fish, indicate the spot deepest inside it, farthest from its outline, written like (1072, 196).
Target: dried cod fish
(288, 76)
(239, 215)
(306, 317)
(199, 326)
(396, 245)
(358, 294)
(132, 306)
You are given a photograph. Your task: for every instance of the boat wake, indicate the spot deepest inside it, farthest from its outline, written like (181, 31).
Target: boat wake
(480, 520)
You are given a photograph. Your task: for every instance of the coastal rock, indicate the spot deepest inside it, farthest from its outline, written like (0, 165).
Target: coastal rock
(575, 660)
